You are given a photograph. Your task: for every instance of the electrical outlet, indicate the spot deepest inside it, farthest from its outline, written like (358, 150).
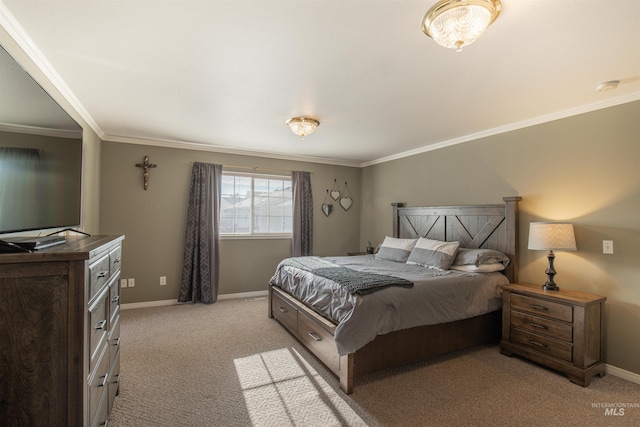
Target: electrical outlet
(163, 280)
(123, 283)
(131, 282)
(607, 246)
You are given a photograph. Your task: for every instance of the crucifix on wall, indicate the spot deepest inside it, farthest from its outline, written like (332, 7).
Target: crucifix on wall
(145, 165)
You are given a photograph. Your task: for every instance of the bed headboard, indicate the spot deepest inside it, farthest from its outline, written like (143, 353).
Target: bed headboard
(474, 226)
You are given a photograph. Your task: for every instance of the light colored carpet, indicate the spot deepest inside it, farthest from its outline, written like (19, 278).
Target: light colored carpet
(228, 364)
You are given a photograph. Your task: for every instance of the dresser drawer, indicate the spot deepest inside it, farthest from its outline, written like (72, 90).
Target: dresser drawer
(114, 379)
(98, 384)
(286, 313)
(115, 260)
(542, 307)
(98, 275)
(558, 349)
(542, 325)
(114, 339)
(97, 327)
(319, 341)
(114, 297)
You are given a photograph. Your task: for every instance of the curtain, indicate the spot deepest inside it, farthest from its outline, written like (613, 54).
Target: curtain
(201, 262)
(302, 214)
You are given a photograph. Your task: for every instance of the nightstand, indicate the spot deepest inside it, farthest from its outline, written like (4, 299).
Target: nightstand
(562, 330)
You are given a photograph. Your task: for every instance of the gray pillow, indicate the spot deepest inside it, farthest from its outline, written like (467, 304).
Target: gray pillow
(433, 253)
(394, 249)
(479, 257)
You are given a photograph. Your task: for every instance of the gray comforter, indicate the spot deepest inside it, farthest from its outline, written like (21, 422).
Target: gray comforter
(436, 297)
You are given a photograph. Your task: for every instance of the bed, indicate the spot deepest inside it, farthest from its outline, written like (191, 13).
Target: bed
(331, 323)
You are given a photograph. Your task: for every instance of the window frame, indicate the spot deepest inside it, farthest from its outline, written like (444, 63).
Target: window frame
(252, 235)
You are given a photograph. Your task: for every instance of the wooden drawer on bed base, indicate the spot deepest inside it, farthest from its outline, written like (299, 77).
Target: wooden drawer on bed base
(284, 312)
(314, 331)
(319, 342)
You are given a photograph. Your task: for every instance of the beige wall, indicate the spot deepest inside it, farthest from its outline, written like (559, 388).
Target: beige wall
(153, 221)
(583, 169)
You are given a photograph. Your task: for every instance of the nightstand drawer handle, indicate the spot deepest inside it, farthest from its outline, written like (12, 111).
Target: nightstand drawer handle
(283, 310)
(315, 336)
(538, 307)
(535, 325)
(537, 343)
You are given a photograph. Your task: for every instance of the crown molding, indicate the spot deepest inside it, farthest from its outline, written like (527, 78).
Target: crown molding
(34, 130)
(611, 102)
(184, 145)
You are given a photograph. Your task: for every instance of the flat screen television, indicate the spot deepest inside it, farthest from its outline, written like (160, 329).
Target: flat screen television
(40, 182)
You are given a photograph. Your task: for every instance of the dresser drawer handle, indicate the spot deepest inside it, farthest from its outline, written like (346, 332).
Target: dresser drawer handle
(117, 260)
(101, 324)
(283, 310)
(315, 336)
(535, 325)
(116, 342)
(538, 307)
(115, 299)
(102, 274)
(116, 379)
(104, 381)
(537, 343)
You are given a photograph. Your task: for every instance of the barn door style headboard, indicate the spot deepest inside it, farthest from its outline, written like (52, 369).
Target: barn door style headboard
(474, 226)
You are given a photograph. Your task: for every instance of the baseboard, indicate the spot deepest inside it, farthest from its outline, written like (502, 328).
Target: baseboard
(147, 304)
(621, 373)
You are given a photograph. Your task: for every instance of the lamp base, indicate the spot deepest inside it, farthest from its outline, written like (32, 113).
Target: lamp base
(550, 285)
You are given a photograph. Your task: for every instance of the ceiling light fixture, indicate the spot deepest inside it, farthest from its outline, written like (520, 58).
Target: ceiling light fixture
(455, 24)
(302, 126)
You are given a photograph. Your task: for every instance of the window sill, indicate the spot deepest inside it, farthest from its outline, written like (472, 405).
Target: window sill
(255, 236)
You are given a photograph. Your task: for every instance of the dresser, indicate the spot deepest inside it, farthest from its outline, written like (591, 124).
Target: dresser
(562, 330)
(60, 334)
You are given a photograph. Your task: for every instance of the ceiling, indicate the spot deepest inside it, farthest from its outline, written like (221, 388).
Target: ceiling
(226, 75)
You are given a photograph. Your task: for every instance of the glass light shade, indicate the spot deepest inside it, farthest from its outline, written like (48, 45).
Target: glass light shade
(303, 126)
(552, 236)
(457, 23)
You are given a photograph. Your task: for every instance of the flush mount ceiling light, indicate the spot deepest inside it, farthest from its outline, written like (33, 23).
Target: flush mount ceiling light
(303, 126)
(455, 24)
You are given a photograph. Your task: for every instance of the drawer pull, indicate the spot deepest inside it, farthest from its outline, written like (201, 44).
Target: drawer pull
(116, 379)
(116, 298)
(538, 307)
(116, 342)
(102, 274)
(283, 310)
(104, 381)
(315, 336)
(101, 324)
(117, 260)
(535, 325)
(537, 343)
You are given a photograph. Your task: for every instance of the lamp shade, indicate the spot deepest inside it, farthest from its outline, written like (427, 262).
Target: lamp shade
(552, 236)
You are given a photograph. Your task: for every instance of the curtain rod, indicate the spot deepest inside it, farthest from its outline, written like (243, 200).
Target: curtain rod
(256, 168)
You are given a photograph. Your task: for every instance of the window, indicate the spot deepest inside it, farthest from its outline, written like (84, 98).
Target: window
(253, 204)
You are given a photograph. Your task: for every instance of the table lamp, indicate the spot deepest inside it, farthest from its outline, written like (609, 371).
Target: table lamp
(551, 236)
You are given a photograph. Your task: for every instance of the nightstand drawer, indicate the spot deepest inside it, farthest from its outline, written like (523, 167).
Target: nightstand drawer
(541, 325)
(557, 349)
(542, 307)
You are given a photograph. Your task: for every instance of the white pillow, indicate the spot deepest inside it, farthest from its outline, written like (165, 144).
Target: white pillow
(394, 249)
(433, 253)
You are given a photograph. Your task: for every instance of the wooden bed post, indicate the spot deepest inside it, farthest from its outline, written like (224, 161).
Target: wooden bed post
(511, 218)
(396, 222)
